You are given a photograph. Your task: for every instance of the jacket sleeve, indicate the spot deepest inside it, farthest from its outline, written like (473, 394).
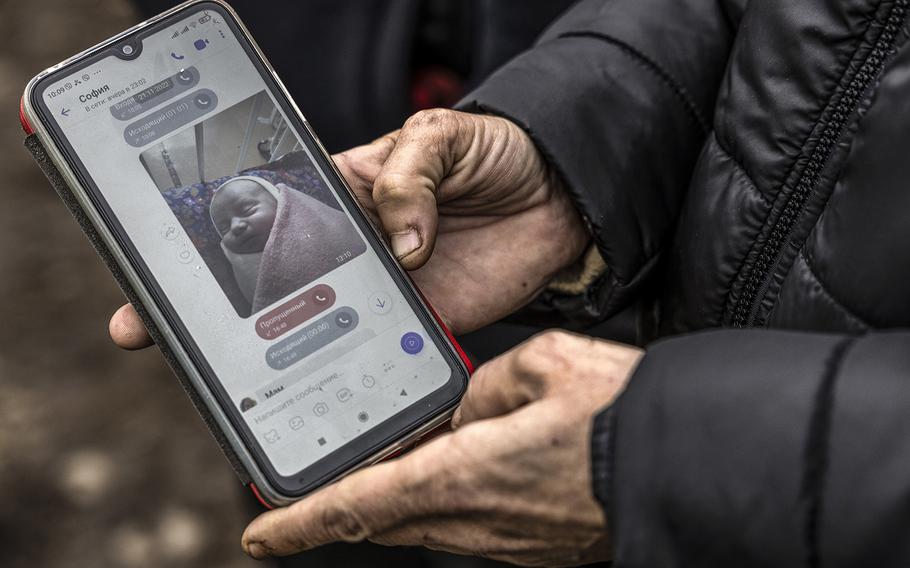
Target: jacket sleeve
(618, 95)
(758, 448)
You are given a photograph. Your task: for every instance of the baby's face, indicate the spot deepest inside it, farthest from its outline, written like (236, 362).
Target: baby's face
(243, 212)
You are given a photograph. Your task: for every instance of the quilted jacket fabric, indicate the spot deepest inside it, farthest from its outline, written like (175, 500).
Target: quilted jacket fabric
(742, 164)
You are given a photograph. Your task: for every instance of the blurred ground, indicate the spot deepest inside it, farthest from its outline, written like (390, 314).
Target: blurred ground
(103, 461)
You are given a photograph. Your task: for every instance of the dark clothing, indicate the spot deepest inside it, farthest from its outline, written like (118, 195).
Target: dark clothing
(351, 65)
(758, 448)
(741, 164)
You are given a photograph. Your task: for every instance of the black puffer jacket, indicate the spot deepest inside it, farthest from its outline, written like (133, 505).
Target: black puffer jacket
(742, 164)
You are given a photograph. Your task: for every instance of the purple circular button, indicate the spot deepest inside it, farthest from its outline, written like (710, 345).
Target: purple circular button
(412, 343)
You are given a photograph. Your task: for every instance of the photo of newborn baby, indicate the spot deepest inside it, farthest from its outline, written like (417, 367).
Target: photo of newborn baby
(276, 238)
(253, 204)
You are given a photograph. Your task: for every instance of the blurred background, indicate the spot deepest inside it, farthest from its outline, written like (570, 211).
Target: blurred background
(103, 461)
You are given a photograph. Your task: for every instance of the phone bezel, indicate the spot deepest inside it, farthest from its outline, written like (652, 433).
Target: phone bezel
(403, 425)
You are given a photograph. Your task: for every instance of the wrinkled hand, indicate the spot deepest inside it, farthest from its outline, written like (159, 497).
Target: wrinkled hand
(468, 204)
(512, 482)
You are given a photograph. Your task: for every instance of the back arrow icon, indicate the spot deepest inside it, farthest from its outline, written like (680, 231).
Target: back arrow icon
(65, 112)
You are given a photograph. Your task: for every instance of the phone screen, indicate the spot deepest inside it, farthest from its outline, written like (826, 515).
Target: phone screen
(247, 235)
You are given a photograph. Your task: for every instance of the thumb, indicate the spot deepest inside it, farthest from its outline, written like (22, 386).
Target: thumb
(127, 330)
(405, 190)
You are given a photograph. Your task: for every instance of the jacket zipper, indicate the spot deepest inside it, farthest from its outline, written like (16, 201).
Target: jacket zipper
(759, 278)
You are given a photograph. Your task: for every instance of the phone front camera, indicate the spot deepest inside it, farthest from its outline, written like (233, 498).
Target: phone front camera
(129, 50)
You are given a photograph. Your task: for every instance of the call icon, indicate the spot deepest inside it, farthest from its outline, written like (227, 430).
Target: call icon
(344, 319)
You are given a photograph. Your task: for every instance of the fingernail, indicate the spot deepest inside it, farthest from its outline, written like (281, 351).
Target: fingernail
(256, 550)
(456, 418)
(405, 243)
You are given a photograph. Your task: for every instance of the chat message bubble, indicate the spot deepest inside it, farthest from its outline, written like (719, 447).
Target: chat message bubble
(169, 118)
(158, 93)
(295, 311)
(312, 338)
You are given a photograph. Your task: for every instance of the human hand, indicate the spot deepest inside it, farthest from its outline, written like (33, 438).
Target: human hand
(469, 205)
(512, 482)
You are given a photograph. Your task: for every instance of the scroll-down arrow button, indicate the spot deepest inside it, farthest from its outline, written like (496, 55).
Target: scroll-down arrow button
(380, 303)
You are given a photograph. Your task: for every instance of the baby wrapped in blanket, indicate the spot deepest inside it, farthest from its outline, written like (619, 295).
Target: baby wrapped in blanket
(278, 239)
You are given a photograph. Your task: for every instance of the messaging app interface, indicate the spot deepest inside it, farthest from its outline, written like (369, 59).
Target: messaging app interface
(309, 335)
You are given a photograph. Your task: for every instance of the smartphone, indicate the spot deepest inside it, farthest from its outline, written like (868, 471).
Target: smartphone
(308, 344)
